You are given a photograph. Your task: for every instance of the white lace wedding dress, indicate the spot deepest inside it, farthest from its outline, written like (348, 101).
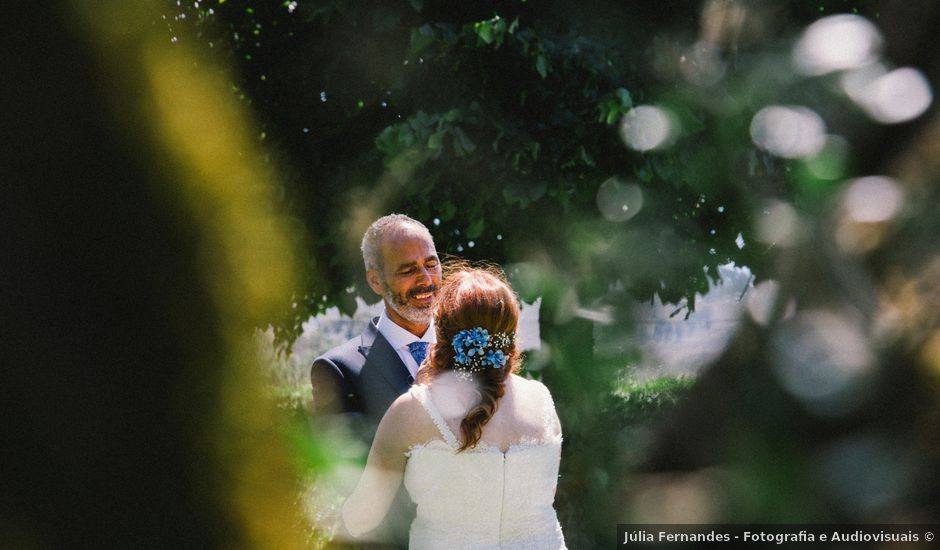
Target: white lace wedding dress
(483, 498)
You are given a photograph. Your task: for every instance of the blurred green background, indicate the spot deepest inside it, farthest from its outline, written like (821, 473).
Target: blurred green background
(181, 175)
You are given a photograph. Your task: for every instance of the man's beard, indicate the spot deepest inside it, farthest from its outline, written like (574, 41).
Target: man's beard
(399, 302)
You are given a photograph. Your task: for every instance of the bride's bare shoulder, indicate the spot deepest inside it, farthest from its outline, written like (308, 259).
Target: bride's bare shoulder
(404, 410)
(537, 395)
(533, 391)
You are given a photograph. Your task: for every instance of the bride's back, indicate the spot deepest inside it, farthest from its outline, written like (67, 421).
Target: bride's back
(477, 447)
(498, 493)
(525, 413)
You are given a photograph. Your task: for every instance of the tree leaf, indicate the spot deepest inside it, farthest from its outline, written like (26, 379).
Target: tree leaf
(612, 116)
(452, 115)
(394, 139)
(421, 38)
(535, 147)
(436, 139)
(484, 30)
(605, 108)
(462, 143)
(626, 101)
(541, 65)
(586, 158)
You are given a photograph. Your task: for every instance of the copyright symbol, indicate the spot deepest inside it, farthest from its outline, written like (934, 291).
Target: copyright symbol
(929, 536)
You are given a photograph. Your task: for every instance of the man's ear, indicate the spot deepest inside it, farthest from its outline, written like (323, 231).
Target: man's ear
(375, 281)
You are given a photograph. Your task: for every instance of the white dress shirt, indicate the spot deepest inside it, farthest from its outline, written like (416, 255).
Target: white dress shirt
(399, 338)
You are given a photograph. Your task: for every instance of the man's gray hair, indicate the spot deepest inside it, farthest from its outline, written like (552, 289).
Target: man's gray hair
(372, 240)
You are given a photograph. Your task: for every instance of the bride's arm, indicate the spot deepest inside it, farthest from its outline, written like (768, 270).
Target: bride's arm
(367, 505)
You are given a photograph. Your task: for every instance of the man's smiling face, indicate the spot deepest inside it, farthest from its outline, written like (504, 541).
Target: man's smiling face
(409, 278)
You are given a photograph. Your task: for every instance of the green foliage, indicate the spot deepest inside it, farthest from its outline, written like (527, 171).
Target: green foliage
(615, 106)
(493, 31)
(480, 119)
(639, 401)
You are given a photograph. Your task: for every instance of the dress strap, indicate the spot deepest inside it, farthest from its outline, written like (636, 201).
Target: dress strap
(421, 393)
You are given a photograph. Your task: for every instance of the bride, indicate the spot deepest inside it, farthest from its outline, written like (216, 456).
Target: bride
(476, 446)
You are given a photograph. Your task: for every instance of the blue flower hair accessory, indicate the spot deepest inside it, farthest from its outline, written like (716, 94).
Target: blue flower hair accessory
(476, 349)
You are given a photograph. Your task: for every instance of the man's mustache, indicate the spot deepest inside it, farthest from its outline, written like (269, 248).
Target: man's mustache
(422, 290)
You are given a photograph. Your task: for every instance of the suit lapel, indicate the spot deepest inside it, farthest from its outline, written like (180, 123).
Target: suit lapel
(382, 357)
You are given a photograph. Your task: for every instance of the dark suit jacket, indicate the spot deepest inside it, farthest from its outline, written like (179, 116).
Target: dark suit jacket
(361, 379)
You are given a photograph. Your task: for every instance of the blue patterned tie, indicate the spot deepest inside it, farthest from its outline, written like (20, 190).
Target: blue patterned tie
(419, 351)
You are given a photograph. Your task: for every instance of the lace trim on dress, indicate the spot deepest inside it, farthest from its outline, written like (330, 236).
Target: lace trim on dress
(420, 392)
(481, 447)
(525, 443)
(438, 443)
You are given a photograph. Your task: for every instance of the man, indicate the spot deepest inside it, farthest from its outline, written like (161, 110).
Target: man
(362, 377)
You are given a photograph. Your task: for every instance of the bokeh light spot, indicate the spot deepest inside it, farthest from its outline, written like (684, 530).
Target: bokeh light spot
(873, 199)
(779, 224)
(856, 83)
(898, 96)
(618, 201)
(837, 43)
(646, 127)
(677, 498)
(819, 357)
(761, 303)
(702, 64)
(788, 132)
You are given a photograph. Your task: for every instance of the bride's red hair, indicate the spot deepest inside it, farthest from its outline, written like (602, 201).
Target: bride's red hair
(474, 296)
